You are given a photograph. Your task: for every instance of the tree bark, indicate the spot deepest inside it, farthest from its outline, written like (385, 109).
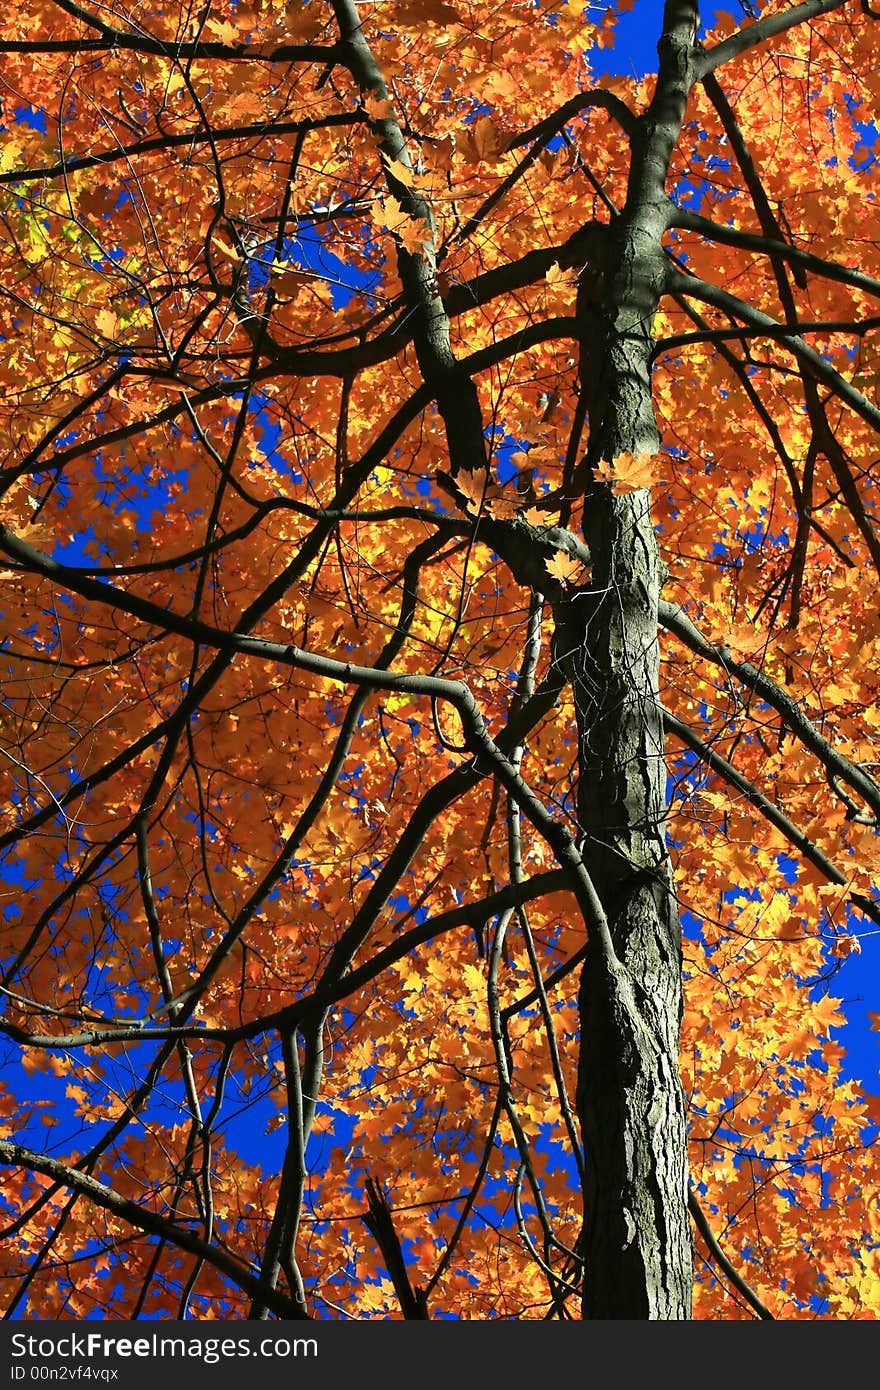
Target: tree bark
(637, 1242)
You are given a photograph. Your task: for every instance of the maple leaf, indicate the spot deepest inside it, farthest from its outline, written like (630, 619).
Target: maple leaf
(287, 281)
(826, 1012)
(845, 946)
(377, 108)
(473, 979)
(413, 232)
(224, 31)
(106, 323)
(473, 487)
(629, 472)
(561, 286)
(502, 506)
(481, 142)
(746, 639)
(535, 516)
(399, 171)
(228, 252)
(565, 568)
(555, 276)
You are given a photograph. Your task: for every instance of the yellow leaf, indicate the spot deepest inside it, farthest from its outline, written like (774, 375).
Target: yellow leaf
(473, 979)
(106, 323)
(557, 278)
(11, 153)
(827, 1014)
(413, 231)
(230, 254)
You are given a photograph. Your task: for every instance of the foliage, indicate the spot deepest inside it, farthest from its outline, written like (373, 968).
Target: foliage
(292, 938)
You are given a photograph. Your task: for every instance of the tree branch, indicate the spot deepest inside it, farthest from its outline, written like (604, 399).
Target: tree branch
(767, 28)
(770, 246)
(722, 1261)
(674, 619)
(113, 38)
(814, 362)
(67, 1175)
(380, 1223)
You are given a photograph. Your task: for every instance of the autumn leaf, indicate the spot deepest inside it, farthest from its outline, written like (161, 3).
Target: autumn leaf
(224, 31)
(399, 171)
(845, 946)
(503, 506)
(413, 232)
(377, 108)
(473, 979)
(827, 1013)
(565, 568)
(629, 472)
(106, 322)
(560, 286)
(481, 142)
(473, 487)
(745, 639)
(225, 250)
(287, 281)
(556, 277)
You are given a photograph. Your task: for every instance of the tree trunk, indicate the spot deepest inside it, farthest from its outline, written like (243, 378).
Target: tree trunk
(637, 1243)
(631, 1107)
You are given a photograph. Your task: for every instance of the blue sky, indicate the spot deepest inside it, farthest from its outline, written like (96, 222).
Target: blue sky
(635, 48)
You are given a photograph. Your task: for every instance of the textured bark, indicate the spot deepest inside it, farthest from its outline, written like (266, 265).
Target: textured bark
(637, 1243)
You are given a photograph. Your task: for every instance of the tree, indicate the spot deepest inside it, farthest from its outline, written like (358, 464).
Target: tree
(439, 655)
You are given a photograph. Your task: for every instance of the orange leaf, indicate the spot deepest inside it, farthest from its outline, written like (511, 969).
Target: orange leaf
(412, 231)
(482, 142)
(399, 171)
(630, 472)
(565, 568)
(377, 108)
(472, 486)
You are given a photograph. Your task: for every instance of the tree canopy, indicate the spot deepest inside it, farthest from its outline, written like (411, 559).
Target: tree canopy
(440, 660)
